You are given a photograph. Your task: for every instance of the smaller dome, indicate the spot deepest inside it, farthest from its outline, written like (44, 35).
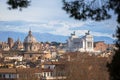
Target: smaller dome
(30, 38)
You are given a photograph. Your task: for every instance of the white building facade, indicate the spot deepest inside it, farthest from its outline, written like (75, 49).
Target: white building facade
(84, 44)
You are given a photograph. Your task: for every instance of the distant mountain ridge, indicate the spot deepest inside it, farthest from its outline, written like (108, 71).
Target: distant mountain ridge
(43, 37)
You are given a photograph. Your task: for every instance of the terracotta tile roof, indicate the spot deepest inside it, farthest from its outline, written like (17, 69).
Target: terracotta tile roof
(33, 70)
(47, 70)
(7, 70)
(52, 63)
(19, 70)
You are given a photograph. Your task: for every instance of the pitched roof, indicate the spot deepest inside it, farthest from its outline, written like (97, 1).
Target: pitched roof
(8, 70)
(47, 70)
(52, 63)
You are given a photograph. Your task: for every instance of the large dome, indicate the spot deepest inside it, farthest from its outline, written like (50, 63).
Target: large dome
(30, 38)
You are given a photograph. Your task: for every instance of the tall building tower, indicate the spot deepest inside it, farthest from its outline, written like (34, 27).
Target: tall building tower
(30, 43)
(18, 45)
(10, 42)
(88, 42)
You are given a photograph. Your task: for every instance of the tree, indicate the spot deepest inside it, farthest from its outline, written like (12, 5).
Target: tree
(91, 9)
(18, 4)
(87, 9)
(114, 66)
(83, 66)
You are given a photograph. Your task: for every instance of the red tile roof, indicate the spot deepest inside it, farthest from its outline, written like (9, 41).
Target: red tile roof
(7, 70)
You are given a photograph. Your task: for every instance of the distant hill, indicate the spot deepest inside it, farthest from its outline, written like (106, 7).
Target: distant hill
(43, 37)
(107, 40)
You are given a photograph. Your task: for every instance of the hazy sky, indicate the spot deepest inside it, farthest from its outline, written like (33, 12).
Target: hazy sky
(47, 16)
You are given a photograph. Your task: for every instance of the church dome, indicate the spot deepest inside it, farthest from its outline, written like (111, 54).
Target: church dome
(30, 38)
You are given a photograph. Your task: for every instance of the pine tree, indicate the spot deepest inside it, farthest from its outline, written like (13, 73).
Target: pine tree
(18, 4)
(114, 66)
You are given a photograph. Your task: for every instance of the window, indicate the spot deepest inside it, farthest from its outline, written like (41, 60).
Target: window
(0, 75)
(9, 76)
(89, 44)
(51, 74)
(3, 75)
(30, 47)
(31, 55)
(44, 74)
(47, 73)
(39, 75)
